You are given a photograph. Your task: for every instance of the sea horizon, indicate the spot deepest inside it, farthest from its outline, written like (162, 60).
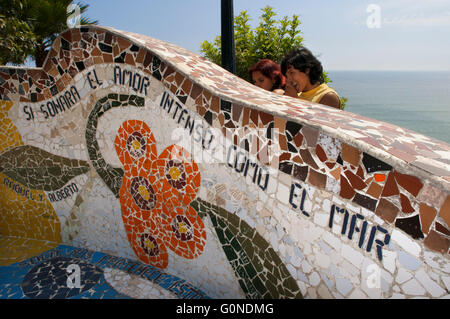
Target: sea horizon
(415, 100)
(380, 70)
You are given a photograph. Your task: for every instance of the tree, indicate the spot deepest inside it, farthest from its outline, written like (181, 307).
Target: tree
(17, 39)
(46, 19)
(271, 39)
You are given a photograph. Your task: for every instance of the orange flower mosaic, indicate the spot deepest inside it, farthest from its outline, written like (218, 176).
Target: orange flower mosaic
(155, 195)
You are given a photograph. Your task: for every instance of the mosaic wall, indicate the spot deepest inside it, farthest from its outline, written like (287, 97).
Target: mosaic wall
(132, 148)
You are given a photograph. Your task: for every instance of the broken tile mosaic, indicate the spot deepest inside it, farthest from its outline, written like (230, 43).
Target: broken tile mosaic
(129, 146)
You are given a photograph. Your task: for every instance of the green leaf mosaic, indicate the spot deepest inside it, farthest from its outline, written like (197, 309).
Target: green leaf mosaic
(112, 176)
(260, 270)
(39, 169)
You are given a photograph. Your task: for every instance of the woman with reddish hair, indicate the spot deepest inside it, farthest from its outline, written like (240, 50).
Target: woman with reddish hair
(267, 75)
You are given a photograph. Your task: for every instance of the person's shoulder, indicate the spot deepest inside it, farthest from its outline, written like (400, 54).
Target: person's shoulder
(331, 99)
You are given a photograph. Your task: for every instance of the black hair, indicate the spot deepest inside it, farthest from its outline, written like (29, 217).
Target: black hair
(302, 59)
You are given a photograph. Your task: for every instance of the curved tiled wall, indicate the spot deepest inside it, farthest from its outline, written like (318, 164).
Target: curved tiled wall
(133, 147)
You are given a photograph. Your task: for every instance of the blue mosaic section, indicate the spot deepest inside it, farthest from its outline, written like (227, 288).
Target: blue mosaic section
(54, 275)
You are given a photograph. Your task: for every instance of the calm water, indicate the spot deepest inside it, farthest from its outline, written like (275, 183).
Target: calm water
(419, 101)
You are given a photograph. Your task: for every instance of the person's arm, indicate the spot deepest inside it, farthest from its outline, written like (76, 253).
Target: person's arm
(331, 99)
(290, 91)
(278, 91)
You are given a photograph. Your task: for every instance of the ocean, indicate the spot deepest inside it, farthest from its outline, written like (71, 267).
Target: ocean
(419, 101)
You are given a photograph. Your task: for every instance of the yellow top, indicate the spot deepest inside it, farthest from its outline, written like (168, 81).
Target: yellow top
(316, 94)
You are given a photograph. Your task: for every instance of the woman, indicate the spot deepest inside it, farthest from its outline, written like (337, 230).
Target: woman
(305, 74)
(267, 75)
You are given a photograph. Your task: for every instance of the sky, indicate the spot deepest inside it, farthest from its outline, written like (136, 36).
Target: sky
(344, 34)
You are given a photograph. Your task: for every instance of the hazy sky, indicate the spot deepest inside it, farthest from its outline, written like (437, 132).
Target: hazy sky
(412, 34)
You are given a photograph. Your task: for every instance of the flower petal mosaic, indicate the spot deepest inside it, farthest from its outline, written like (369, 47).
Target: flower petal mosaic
(155, 196)
(160, 175)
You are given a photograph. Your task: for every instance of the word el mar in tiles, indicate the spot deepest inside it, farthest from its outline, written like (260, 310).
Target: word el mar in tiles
(297, 201)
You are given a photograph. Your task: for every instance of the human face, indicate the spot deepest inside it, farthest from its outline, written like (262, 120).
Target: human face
(297, 79)
(262, 81)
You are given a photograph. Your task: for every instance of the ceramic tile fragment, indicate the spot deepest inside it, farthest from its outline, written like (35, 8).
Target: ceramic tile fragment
(431, 195)
(346, 189)
(350, 154)
(406, 243)
(406, 204)
(355, 181)
(437, 242)
(442, 229)
(410, 225)
(311, 135)
(411, 183)
(390, 187)
(434, 289)
(413, 287)
(387, 210)
(444, 212)
(427, 215)
(374, 190)
(317, 179)
(374, 165)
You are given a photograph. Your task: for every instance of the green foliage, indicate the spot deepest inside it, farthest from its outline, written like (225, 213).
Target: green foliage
(16, 37)
(343, 102)
(271, 39)
(17, 40)
(34, 23)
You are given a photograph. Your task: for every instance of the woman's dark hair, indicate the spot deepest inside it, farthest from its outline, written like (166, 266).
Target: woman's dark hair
(302, 59)
(270, 69)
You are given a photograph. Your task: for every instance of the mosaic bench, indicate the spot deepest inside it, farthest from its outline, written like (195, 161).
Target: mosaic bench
(127, 148)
